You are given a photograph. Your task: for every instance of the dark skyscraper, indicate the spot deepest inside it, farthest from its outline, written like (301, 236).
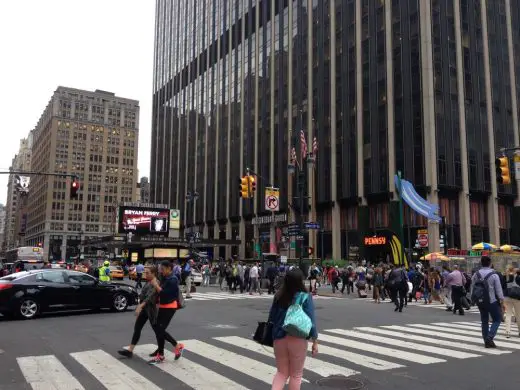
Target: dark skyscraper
(428, 88)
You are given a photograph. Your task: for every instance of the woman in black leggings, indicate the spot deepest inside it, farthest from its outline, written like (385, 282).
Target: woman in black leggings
(168, 305)
(145, 311)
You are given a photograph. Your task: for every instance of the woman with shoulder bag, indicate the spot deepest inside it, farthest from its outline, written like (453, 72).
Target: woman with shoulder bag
(512, 299)
(145, 311)
(294, 325)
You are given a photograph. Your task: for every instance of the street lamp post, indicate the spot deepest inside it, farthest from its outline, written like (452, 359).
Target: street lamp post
(191, 198)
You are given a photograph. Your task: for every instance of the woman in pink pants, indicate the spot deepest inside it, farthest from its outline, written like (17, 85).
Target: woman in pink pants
(290, 352)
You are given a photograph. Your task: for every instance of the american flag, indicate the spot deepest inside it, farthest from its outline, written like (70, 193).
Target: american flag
(293, 155)
(314, 146)
(303, 143)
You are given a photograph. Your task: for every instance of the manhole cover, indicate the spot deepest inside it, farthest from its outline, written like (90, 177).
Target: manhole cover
(340, 382)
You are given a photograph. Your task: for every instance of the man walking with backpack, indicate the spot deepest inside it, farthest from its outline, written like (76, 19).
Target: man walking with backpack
(487, 294)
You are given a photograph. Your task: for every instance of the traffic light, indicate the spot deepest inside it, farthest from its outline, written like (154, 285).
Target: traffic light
(244, 187)
(252, 185)
(74, 188)
(502, 169)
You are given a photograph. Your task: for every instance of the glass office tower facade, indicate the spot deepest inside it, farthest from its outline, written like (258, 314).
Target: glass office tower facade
(428, 88)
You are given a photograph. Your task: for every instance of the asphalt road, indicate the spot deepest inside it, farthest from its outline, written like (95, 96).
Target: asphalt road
(360, 340)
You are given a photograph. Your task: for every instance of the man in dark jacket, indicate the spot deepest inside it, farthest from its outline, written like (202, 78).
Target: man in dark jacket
(398, 286)
(272, 272)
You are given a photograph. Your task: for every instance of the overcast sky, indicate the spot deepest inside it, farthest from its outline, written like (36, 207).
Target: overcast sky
(95, 44)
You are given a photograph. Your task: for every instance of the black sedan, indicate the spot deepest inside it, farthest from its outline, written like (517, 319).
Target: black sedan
(29, 293)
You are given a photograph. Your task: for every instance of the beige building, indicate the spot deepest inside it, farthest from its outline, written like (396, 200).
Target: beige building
(94, 136)
(16, 207)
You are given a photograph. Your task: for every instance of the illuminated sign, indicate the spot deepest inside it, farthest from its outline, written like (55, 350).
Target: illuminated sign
(143, 221)
(376, 240)
(164, 253)
(462, 252)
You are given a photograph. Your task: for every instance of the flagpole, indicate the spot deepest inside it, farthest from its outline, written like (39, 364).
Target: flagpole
(401, 212)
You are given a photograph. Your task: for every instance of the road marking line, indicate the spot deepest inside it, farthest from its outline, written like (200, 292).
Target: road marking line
(473, 331)
(192, 374)
(243, 364)
(443, 332)
(405, 344)
(198, 298)
(478, 326)
(111, 372)
(437, 341)
(206, 297)
(47, 372)
(320, 367)
(360, 360)
(224, 295)
(395, 353)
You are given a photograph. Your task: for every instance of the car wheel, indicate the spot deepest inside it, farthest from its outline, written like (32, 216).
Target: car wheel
(29, 309)
(120, 302)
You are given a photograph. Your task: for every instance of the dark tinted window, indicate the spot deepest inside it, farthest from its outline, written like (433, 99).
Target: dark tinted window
(51, 277)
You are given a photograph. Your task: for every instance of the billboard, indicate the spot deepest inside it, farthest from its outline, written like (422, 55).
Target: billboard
(143, 220)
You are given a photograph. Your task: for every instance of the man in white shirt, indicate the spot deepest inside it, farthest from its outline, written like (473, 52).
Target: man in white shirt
(254, 276)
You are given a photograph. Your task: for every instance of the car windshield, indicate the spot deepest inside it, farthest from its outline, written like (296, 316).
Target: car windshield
(116, 268)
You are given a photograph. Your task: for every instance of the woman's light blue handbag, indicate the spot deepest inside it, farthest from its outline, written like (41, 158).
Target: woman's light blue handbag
(297, 323)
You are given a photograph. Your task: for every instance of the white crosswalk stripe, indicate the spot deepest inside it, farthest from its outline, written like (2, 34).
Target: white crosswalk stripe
(251, 367)
(318, 366)
(216, 296)
(401, 343)
(114, 374)
(36, 371)
(421, 304)
(226, 362)
(190, 373)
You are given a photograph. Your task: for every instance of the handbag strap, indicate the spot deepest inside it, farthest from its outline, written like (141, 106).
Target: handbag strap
(300, 298)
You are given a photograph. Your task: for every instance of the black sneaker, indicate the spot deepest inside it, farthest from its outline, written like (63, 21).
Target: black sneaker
(489, 344)
(154, 353)
(125, 353)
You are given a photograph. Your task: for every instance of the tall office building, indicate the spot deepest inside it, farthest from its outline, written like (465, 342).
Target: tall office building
(2, 225)
(16, 207)
(94, 136)
(143, 188)
(427, 88)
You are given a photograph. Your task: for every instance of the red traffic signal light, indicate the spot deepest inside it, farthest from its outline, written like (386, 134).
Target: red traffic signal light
(252, 185)
(310, 250)
(74, 188)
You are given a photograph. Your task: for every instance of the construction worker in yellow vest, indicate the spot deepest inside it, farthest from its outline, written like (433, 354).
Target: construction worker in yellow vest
(104, 272)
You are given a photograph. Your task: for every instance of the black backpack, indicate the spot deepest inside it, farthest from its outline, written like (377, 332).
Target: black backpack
(480, 292)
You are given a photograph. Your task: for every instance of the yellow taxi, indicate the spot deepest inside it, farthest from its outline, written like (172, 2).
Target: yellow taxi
(132, 274)
(116, 272)
(81, 268)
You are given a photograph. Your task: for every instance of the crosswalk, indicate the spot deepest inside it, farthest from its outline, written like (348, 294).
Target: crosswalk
(237, 363)
(421, 304)
(217, 296)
